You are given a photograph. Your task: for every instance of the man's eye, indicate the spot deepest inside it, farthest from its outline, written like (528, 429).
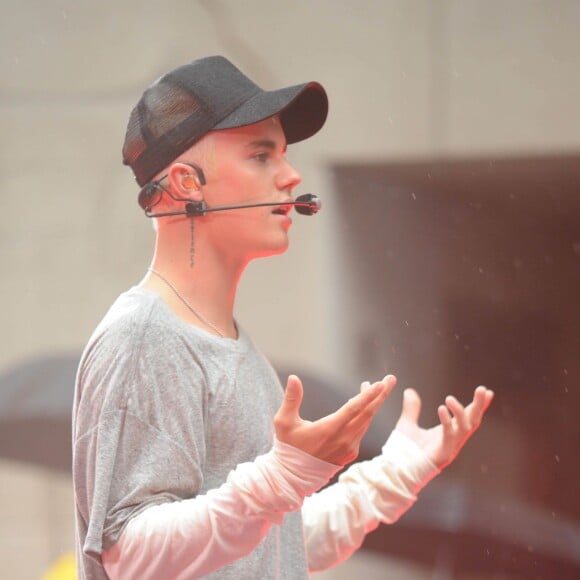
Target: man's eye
(261, 157)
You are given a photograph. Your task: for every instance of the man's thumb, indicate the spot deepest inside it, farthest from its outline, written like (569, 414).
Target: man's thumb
(293, 394)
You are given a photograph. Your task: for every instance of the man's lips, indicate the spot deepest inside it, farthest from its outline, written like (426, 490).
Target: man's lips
(284, 209)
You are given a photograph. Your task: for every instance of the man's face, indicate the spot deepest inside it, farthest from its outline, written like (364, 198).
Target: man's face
(249, 166)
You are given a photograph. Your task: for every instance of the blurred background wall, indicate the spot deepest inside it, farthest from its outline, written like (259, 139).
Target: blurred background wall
(374, 282)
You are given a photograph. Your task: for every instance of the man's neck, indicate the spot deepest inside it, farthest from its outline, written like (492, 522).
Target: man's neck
(201, 291)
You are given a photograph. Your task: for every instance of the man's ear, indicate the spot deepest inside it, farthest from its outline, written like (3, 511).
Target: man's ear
(184, 181)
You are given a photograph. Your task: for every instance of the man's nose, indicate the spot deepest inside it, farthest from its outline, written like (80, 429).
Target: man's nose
(289, 177)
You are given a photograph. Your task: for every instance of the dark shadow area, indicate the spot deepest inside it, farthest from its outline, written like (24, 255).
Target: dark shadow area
(35, 411)
(471, 272)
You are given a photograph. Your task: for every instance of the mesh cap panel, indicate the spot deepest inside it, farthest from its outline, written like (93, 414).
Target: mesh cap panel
(210, 93)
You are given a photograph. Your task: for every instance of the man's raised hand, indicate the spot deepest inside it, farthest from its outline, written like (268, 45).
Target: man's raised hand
(443, 442)
(335, 438)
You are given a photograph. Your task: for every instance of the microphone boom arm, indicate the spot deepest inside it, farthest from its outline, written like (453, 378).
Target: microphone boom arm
(306, 204)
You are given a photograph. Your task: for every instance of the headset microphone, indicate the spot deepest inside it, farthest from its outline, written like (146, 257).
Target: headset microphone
(150, 195)
(305, 204)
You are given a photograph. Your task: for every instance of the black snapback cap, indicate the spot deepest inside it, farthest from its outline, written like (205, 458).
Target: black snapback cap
(210, 94)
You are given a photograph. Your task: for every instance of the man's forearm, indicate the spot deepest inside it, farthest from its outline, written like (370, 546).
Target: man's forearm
(193, 537)
(337, 519)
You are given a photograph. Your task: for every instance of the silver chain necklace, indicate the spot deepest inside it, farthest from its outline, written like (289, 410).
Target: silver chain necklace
(191, 308)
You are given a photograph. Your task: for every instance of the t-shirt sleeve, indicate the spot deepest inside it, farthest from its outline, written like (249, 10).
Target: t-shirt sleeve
(129, 466)
(139, 436)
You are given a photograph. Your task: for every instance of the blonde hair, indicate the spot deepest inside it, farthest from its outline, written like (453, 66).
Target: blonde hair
(202, 153)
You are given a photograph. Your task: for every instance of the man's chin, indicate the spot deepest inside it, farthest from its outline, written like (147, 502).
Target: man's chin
(273, 250)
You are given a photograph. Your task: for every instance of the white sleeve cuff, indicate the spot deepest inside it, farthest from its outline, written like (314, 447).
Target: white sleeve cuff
(337, 519)
(409, 459)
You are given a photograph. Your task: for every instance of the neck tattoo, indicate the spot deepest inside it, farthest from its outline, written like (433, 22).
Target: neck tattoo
(186, 303)
(191, 246)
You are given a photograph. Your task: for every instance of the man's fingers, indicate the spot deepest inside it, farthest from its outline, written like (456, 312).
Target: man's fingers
(357, 427)
(365, 386)
(482, 398)
(468, 418)
(367, 402)
(445, 418)
(458, 411)
(360, 422)
(489, 395)
(411, 406)
(357, 403)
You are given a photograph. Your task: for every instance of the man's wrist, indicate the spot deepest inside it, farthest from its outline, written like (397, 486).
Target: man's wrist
(410, 459)
(312, 471)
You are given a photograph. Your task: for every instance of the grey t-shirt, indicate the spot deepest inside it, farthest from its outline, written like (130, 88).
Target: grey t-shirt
(163, 412)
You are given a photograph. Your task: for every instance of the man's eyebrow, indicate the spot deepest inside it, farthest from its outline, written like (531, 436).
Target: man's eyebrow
(264, 143)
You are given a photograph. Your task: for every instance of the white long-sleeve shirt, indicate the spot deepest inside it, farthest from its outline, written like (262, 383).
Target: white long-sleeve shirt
(192, 538)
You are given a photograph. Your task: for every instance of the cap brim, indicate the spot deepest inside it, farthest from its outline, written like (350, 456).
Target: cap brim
(302, 109)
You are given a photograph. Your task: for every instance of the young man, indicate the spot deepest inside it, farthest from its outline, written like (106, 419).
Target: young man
(189, 458)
